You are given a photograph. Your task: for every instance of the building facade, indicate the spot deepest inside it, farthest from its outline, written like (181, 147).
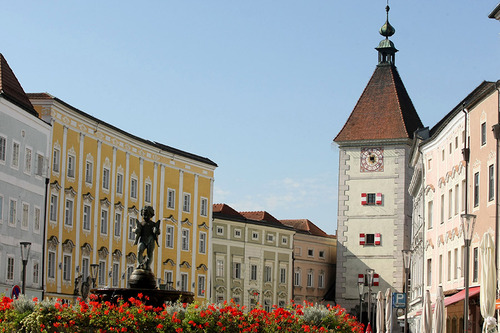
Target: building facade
(314, 258)
(24, 148)
(252, 258)
(100, 179)
(375, 208)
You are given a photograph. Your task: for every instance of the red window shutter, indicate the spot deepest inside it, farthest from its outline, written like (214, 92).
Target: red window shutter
(363, 199)
(375, 279)
(377, 239)
(362, 239)
(361, 278)
(379, 199)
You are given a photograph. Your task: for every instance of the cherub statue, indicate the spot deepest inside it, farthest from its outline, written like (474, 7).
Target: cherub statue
(146, 235)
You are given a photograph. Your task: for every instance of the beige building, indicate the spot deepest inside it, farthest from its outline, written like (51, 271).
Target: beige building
(315, 256)
(251, 258)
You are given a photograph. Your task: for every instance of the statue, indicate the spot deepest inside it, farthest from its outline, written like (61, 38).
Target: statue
(146, 235)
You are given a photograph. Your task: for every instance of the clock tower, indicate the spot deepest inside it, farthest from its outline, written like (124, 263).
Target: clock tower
(374, 206)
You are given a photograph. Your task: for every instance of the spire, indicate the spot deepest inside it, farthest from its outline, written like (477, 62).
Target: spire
(386, 49)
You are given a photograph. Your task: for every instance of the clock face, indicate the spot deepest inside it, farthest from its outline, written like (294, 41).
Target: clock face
(372, 159)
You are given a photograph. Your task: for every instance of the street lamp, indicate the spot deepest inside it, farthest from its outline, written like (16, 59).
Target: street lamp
(25, 253)
(468, 222)
(370, 273)
(361, 289)
(94, 268)
(406, 263)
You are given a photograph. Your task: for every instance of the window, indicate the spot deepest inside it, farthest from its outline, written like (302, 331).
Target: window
(104, 221)
(68, 213)
(268, 274)
(204, 207)
(56, 157)
(133, 188)
(102, 273)
(491, 182)
(442, 155)
(86, 217)
(184, 282)
(476, 189)
(270, 237)
(71, 166)
(119, 183)
(255, 235)
(85, 268)
(430, 207)
(296, 278)
(67, 267)
(25, 220)
(147, 193)
(440, 272)
(10, 268)
(371, 198)
(253, 272)
(219, 267)
(36, 225)
(15, 155)
(203, 242)
(429, 164)
(39, 171)
(267, 305)
(284, 240)
(170, 199)
(457, 199)
(53, 207)
(89, 170)
(475, 265)
(456, 142)
(185, 239)
(310, 277)
(169, 278)
(27, 160)
(3, 148)
(116, 274)
(12, 212)
(1, 208)
(219, 230)
(449, 265)
(237, 233)
(310, 252)
(36, 273)
(463, 195)
(131, 226)
(483, 134)
(450, 204)
(321, 280)
(201, 285)
(186, 206)
(237, 270)
(450, 149)
(455, 275)
(462, 255)
(442, 208)
(322, 254)
(51, 265)
(118, 224)
(105, 178)
(282, 274)
(169, 237)
(130, 269)
(429, 272)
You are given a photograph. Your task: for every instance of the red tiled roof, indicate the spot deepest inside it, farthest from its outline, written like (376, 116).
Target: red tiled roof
(306, 226)
(260, 216)
(384, 110)
(226, 210)
(11, 88)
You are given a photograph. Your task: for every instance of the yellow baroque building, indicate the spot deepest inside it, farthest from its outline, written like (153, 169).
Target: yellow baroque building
(100, 179)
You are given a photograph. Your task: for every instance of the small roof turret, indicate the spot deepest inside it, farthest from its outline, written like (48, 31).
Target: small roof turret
(386, 49)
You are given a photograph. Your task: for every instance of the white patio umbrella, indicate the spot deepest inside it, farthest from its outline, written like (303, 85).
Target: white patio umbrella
(427, 313)
(439, 312)
(380, 313)
(488, 282)
(388, 311)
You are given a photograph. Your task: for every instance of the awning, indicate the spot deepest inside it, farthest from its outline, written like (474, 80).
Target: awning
(473, 291)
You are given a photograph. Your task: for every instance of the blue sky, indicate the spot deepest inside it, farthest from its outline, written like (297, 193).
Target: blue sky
(260, 87)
